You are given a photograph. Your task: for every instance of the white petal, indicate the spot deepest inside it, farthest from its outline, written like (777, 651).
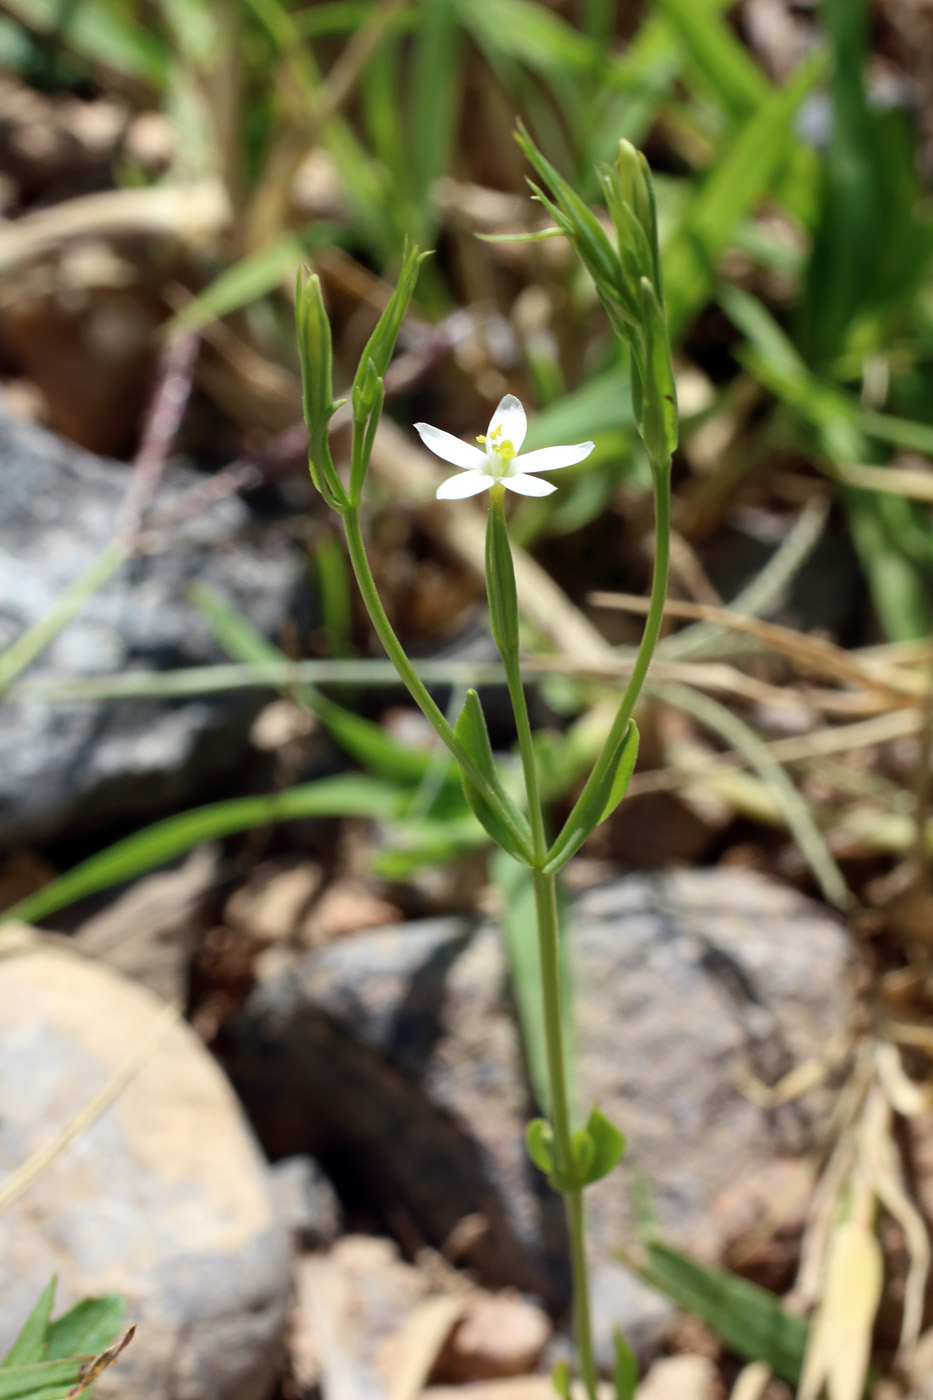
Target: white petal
(548, 459)
(510, 417)
(451, 449)
(528, 485)
(455, 488)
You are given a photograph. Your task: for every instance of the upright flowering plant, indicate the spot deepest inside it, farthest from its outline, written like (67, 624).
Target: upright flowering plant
(627, 275)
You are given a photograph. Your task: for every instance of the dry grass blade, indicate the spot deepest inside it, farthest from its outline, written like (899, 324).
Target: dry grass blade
(883, 1165)
(811, 653)
(841, 739)
(793, 807)
(762, 592)
(190, 214)
(30, 1170)
(751, 1382)
(419, 1343)
(839, 1348)
(914, 483)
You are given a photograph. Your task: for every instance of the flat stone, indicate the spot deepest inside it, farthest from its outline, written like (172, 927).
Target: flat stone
(73, 768)
(685, 981)
(164, 1197)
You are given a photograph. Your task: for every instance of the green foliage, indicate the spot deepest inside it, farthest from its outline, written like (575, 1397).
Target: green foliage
(625, 1368)
(519, 928)
(50, 1360)
(344, 796)
(597, 801)
(749, 1319)
(505, 823)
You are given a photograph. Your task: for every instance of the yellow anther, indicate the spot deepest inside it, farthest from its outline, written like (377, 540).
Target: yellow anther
(481, 439)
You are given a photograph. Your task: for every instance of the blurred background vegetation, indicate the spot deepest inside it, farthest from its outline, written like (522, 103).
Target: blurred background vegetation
(166, 167)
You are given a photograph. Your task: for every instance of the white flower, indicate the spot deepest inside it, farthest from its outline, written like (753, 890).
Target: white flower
(498, 458)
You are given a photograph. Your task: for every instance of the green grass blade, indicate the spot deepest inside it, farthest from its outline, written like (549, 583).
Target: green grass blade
(29, 1346)
(741, 737)
(731, 76)
(748, 1318)
(732, 190)
(35, 640)
(88, 1327)
(368, 743)
(348, 795)
(249, 279)
(101, 35)
(47, 1380)
(435, 105)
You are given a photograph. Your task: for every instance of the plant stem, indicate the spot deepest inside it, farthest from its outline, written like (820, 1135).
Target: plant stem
(396, 651)
(513, 678)
(649, 639)
(545, 887)
(501, 585)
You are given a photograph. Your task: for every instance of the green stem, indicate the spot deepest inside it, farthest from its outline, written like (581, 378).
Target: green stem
(396, 652)
(545, 887)
(649, 639)
(504, 607)
(513, 679)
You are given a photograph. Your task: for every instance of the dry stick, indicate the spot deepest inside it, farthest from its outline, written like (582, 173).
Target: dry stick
(174, 380)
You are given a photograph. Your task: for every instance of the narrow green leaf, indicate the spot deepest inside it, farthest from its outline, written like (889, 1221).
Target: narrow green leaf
(437, 78)
(46, 1380)
(659, 428)
(748, 1318)
(41, 634)
(29, 1346)
(732, 77)
(731, 191)
(624, 768)
(89, 1327)
(254, 276)
(625, 1368)
(381, 343)
(596, 802)
(101, 35)
(364, 741)
(608, 1146)
(562, 1380)
(582, 1147)
(493, 808)
(540, 1141)
(342, 796)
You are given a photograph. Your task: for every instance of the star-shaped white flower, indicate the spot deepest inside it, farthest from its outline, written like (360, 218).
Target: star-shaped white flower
(498, 457)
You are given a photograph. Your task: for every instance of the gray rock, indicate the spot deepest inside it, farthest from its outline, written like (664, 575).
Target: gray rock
(396, 1051)
(76, 767)
(163, 1198)
(394, 1055)
(306, 1201)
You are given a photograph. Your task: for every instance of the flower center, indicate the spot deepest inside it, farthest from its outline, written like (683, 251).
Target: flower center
(499, 452)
